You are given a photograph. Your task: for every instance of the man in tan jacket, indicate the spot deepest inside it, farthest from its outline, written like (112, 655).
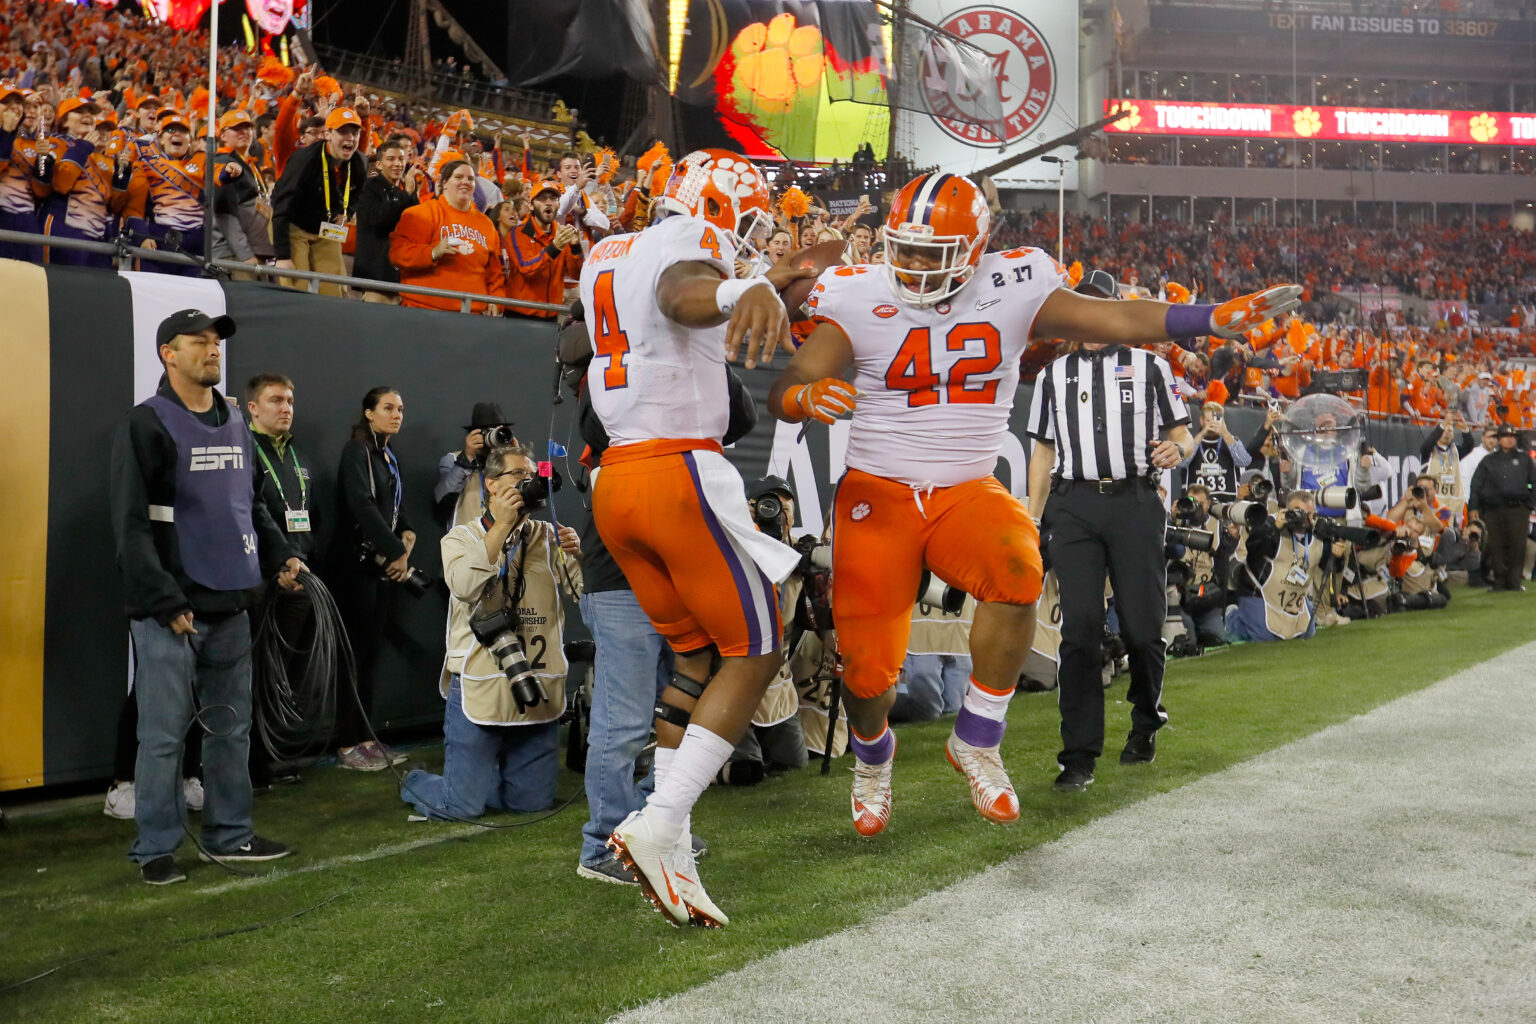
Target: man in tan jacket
(500, 751)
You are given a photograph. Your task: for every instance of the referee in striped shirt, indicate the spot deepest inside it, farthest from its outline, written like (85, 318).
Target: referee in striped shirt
(1105, 420)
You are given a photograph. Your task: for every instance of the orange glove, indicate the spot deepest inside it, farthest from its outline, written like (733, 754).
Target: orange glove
(825, 400)
(1236, 316)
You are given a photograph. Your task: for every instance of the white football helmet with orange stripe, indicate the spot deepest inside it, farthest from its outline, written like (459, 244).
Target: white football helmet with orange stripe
(723, 188)
(935, 235)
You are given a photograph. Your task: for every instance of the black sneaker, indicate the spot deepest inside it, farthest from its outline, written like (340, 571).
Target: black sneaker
(162, 871)
(1074, 778)
(607, 870)
(255, 848)
(1140, 748)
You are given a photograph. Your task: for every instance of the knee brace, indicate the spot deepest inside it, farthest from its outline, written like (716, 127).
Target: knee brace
(671, 713)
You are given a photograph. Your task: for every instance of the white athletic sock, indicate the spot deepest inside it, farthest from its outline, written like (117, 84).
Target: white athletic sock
(980, 700)
(692, 769)
(664, 756)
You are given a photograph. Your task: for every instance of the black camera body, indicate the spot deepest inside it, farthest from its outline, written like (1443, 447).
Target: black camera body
(535, 490)
(1296, 520)
(768, 514)
(497, 632)
(416, 582)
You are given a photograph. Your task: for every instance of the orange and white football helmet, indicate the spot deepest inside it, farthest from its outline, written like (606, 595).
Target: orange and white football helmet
(938, 227)
(723, 188)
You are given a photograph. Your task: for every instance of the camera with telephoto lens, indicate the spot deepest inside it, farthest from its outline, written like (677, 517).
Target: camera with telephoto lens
(1297, 520)
(1371, 493)
(1260, 488)
(768, 514)
(499, 436)
(1329, 530)
(1185, 509)
(535, 490)
(1336, 497)
(935, 593)
(1191, 537)
(497, 633)
(1246, 514)
(415, 582)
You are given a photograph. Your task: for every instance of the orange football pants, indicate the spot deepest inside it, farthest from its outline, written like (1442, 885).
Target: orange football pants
(974, 536)
(697, 587)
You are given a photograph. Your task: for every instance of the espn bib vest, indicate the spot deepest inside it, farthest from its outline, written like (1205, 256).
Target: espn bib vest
(215, 537)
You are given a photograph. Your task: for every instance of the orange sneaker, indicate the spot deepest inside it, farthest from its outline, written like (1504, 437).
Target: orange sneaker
(991, 791)
(872, 795)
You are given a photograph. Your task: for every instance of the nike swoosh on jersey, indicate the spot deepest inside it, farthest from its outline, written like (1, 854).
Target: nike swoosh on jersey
(984, 303)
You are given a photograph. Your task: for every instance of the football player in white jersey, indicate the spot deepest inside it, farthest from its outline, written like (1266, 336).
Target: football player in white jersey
(934, 340)
(666, 313)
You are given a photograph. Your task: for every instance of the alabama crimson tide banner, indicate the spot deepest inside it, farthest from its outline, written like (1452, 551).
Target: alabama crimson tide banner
(1355, 124)
(1033, 47)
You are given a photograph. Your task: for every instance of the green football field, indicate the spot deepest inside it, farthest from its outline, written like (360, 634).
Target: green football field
(376, 919)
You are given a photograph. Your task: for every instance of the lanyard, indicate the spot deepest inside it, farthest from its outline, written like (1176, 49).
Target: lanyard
(394, 471)
(298, 471)
(1304, 555)
(346, 192)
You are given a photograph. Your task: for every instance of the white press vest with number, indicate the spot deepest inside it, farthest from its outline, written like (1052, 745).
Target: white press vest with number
(1445, 467)
(1287, 592)
(487, 693)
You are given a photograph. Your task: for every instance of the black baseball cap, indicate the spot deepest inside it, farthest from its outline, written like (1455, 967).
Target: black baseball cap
(192, 321)
(770, 485)
(1100, 283)
(1505, 430)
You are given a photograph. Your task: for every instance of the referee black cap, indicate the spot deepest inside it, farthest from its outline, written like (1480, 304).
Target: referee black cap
(192, 321)
(1100, 283)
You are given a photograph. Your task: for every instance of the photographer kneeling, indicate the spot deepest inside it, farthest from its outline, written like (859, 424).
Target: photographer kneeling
(1279, 577)
(1201, 573)
(504, 674)
(1413, 546)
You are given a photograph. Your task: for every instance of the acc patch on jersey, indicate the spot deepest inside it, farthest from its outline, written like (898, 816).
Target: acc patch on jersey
(860, 511)
(886, 311)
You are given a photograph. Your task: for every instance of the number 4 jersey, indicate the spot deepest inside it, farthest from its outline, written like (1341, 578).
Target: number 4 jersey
(936, 385)
(651, 378)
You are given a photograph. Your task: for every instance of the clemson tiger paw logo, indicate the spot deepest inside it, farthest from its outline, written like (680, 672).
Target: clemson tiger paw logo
(1483, 128)
(1131, 119)
(1307, 122)
(778, 63)
(860, 511)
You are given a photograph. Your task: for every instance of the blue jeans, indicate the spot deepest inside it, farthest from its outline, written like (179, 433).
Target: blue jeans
(633, 666)
(215, 663)
(507, 767)
(931, 685)
(1245, 621)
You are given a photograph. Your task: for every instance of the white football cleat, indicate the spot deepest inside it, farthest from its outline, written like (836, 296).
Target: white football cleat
(871, 799)
(991, 791)
(648, 847)
(685, 875)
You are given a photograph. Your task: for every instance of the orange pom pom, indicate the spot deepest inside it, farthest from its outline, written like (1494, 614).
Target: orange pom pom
(1176, 292)
(607, 164)
(325, 85)
(794, 203)
(274, 72)
(660, 173)
(1075, 273)
(650, 156)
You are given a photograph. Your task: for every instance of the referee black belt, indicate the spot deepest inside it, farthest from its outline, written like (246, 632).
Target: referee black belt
(1061, 485)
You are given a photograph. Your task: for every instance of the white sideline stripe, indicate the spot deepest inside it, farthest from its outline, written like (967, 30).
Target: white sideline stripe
(439, 835)
(1383, 869)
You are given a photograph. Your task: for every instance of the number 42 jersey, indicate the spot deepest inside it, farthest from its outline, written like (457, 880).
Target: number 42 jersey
(651, 378)
(936, 385)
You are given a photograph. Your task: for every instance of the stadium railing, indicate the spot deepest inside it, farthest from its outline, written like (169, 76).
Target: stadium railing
(125, 254)
(524, 104)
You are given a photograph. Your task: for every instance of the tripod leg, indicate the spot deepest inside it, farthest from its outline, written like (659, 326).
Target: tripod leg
(835, 692)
